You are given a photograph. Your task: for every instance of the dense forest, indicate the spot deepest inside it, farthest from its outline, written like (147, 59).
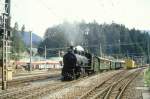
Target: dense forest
(109, 39)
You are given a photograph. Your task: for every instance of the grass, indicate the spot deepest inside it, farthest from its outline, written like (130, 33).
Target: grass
(147, 77)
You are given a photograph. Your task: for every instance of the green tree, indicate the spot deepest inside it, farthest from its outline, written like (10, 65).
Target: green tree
(23, 30)
(54, 38)
(18, 46)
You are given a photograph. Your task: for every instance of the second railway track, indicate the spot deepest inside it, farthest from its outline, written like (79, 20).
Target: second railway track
(112, 88)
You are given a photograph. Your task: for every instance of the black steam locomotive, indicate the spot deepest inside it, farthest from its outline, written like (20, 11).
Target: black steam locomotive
(76, 64)
(81, 63)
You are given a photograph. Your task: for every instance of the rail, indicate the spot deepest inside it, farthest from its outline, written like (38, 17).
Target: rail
(105, 89)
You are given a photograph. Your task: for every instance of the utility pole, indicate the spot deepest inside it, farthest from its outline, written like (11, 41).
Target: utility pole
(5, 42)
(45, 53)
(30, 67)
(86, 33)
(127, 54)
(119, 48)
(148, 57)
(59, 53)
(45, 56)
(100, 50)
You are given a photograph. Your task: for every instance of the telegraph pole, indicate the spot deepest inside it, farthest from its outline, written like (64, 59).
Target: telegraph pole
(100, 50)
(59, 53)
(45, 52)
(119, 48)
(148, 57)
(45, 56)
(5, 42)
(30, 68)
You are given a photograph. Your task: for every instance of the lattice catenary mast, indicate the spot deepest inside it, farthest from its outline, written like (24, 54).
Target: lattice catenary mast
(5, 33)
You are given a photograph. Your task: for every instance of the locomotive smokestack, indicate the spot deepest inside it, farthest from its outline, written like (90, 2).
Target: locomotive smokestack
(71, 47)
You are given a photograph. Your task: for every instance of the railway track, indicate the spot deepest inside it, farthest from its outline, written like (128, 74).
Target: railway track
(16, 82)
(112, 88)
(31, 92)
(76, 90)
(114, 85)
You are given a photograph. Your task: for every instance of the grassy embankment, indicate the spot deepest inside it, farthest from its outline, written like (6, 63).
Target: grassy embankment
(147, 77)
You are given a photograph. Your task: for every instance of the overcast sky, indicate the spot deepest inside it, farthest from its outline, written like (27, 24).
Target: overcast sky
(37, 15)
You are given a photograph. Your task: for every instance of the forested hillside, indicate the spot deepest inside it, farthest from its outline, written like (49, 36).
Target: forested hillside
(111, 39)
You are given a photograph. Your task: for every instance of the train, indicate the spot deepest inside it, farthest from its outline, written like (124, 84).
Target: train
(130, 64)
(81, 63)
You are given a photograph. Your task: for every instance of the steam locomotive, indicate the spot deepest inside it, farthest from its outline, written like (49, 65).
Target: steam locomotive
(80, 63)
